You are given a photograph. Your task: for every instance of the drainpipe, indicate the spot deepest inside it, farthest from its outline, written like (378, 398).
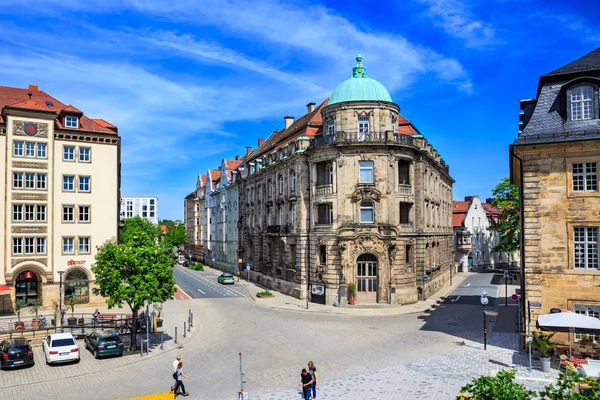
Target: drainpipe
(308, 234)
(523, 300)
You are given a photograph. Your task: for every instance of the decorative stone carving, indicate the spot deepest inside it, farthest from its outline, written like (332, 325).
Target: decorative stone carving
(16, 261)
(23, 128)
(32, 165)
(29, 229)
(30, 196)
(366, 194)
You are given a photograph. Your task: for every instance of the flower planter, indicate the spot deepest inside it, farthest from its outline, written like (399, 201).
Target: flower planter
(262, 296)
(159, 323)
(71, 321)
(351, 302)
(19, 325)
(545, 364)
(35, 323)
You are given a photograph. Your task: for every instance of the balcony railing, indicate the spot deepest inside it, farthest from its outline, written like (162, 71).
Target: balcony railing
(405, 189)
(278, 229)
(347, 137)
(324, 189)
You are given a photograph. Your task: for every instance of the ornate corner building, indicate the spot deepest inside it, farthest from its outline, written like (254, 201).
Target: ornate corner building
(60, 196)
(554, 161)
(350, 193)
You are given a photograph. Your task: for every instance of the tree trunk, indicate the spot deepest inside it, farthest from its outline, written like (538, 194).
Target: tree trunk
(134, 314)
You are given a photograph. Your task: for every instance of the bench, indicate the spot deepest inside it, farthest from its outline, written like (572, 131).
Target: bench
(107, 317)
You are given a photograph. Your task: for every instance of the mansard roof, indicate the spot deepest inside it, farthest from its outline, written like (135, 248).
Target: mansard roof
(589, 62)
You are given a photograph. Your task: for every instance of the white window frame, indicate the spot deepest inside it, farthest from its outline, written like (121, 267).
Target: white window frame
(585, 177)
(17, 212)
(588, 311)
(18, 148)
(585, 247)
(17, 245)
(68, 245)
(366, 206)
(366, 166)
(40, 215)
(68, 183)
(582, 103)
(40, 245)
(68, 153)
(41, 181)
(331, 127)
(29, 181)
(364, 127)
(71, 121)
(68, 213)
(85, 212)
(85, 154)
(42, 150)
(30, 149)
(17, 180)
(293, 179)
(29, 212)
(83, 186)
(28, 245)
(84, 245)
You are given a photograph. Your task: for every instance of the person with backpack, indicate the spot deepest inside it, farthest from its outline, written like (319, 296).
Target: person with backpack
(179, 375)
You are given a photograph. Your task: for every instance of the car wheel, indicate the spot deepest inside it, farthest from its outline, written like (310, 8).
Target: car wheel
(95, 354)
(79, 359)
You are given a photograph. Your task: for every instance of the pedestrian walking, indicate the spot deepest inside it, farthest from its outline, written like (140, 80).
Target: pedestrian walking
(179, 378)
(313, 373)
(306, 383)
(175, 365)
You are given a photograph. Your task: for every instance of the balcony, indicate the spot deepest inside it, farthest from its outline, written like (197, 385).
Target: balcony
(465, 247)
(324, 189)
(349, 137)
(278, 229)
(405, 189)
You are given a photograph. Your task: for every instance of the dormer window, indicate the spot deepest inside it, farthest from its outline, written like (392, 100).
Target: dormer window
(71, 122)
(582, 103)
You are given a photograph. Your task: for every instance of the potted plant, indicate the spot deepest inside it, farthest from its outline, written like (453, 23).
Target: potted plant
(543, 344)
(55, 308)
(585, 340)
(71, 303)
(35, 306)
(19, 305)
(351, 293)
(159, 309)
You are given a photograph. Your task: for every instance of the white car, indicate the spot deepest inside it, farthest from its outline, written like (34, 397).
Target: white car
(60, 347)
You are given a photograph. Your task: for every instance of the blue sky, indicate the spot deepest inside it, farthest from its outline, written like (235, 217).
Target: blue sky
(190, 82)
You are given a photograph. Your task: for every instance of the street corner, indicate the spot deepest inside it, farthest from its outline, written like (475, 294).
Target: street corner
(181, 295)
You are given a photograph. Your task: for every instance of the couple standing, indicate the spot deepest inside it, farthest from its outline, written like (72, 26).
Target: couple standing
(309, 380)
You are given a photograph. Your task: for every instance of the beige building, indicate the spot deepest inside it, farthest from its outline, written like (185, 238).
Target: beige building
(60, 199)
(349, 193)
(194, 220)
(554, 161)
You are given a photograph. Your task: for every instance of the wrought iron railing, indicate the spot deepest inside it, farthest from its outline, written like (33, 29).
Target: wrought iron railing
(348, 137)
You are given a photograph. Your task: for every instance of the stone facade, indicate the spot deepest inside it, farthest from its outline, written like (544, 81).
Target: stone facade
(555, 164)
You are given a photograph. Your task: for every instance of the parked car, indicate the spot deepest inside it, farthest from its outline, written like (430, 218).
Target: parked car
(60, 347)
(104, 343)
(15, 353)
(226, 277)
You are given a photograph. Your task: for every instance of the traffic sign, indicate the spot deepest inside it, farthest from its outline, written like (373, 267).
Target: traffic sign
(491, 313)
(530, 338)
(571, 329)
(514, 297)
(248, 266)
(531, 304)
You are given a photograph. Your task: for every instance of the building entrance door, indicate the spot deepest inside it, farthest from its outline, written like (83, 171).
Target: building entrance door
(366, 278)
(26, 286)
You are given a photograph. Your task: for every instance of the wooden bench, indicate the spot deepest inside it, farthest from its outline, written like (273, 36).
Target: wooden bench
(107, 317)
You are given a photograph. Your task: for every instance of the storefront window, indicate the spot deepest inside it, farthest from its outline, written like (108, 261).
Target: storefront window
(77, 285)
(26, 286)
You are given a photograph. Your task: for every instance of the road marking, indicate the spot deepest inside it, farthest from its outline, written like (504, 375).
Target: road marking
(209, 282)
(456, 299)
(467, 285)
(179, 290)
(202, 292)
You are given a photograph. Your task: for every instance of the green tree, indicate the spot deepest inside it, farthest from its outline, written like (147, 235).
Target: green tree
(176, 236)
(136, 270)
(508, 226)
(501, 386)
(167, 222)
(571, 379)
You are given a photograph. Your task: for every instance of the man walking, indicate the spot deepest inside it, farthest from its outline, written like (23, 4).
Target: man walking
(306, 383)
(175, 365)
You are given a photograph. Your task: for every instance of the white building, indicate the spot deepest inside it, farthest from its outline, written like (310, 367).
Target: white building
(59, 195)
(475, 235)
(145, 207)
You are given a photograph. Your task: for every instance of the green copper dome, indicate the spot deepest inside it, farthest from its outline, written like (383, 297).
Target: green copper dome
(359, 87)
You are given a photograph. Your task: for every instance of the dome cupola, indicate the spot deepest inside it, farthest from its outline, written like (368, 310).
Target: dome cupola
(359, 87)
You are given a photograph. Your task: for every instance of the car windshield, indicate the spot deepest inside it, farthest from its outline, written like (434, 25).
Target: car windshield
(226, 275)
(18, 349)
(63, 342)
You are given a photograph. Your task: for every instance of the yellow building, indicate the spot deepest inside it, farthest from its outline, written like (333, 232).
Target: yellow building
(60, 196)
(554, 161)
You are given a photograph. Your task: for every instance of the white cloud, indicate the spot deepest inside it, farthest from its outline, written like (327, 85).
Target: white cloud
(460, 22)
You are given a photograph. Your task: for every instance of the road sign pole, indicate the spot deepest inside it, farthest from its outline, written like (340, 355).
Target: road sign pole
(506, 289)
(529, 332)
(484, 329)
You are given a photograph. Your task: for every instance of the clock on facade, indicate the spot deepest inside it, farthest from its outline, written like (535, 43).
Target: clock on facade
(30, 128)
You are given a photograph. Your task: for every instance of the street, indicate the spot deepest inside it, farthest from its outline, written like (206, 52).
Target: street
(204, 285)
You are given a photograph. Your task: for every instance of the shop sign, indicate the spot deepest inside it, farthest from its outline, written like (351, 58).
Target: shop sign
(76, 262)
(318, 290)
(28, 275)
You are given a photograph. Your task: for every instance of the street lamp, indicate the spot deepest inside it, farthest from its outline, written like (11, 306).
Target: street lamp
(484, 301)
(60, 289)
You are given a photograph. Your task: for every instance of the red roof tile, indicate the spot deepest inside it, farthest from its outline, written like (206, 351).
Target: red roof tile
(37, 100)
(72, 109)
(460, 206)
(458, 220)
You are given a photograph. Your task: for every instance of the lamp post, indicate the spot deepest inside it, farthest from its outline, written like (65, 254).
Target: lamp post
(484, 301)
(60, 289)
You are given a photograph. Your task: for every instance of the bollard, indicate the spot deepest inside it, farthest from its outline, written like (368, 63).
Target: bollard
(184, 329)
(175, 334)
(189, 325)
(162, 334)
(192, 321)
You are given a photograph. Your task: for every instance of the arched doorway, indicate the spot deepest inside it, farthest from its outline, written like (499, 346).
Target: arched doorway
(26, 286)
(366, 278)
(77, 286)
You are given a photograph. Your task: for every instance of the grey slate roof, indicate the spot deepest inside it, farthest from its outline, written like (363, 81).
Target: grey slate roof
(589, 62)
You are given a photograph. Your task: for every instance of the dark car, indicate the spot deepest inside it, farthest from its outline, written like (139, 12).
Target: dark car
(15, 353)
(104, 343)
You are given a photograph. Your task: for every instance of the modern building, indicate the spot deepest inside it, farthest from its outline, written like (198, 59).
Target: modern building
(60, 195)
(350, 193)
(554, 162)
(475, 236)
(145, 207)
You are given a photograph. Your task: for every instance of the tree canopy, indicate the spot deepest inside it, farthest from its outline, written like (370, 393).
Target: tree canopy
(508, 226)
(176, 236)
(136, 270)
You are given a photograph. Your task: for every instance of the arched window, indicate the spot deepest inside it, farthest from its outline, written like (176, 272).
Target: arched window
(367, 212)
(581, 99)
(26, 286)
(77, 286)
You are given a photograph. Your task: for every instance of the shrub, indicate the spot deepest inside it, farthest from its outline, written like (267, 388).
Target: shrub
(264, 293)
(501, 386)
(197, 267)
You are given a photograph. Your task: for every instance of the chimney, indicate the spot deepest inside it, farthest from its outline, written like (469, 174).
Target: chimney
(260, 141)
(310, 107)
(468, 198)
(33, 87)
(237, 158)
(288, 121)
(248, 150)
(489, 200)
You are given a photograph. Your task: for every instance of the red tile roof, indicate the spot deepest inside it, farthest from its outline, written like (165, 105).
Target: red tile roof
(458, 220)
(460, 206)
(37, 100)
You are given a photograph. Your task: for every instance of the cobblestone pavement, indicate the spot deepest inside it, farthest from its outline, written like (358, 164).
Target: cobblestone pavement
(360, 353)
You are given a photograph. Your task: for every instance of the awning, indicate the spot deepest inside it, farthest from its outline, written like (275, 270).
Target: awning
(4, 289)
(569, 321)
